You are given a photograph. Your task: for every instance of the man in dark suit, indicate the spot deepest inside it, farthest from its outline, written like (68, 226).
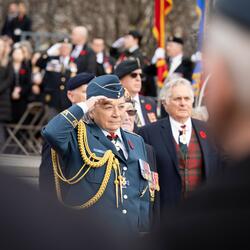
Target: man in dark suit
(104, 63)
(178, 64)
(7, 26)
(20, 23)
(185, 157)
(82, 55)
(58, 70)
(130, 73)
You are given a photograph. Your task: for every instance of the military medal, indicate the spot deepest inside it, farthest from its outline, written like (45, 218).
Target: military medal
(145, 170)
(152, 117)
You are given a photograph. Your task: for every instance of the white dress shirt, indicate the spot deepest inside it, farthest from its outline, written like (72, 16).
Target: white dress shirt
(132, 49)
(176, 127)
(138, 109)
(119, 143)
(76, 51)
(100, 57)
(175, 63)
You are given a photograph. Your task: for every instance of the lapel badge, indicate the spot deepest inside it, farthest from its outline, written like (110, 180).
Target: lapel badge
(131, 145)
(203, 134)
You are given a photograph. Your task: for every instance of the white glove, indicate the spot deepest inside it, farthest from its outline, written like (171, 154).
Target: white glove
(196, 57)
(159, 54)
(118, 43)
(54, 50)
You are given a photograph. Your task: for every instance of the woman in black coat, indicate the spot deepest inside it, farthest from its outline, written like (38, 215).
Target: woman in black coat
(6, 76)
(21, 84)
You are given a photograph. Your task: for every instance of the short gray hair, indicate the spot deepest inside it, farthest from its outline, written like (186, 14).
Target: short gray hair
(167, 89)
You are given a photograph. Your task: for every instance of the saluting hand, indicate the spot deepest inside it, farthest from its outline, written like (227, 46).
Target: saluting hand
(92, 101)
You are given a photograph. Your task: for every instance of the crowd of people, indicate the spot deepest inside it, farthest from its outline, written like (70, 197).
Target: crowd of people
(171, 179)
(41, 76)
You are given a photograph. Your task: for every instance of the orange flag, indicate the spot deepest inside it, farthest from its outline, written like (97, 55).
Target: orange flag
(162, 8)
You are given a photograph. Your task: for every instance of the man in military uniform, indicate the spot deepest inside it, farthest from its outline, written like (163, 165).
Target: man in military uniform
(105, 165)
(58, 69)
(130, 74)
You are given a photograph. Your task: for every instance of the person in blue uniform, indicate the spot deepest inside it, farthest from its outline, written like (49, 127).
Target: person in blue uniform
(106, 167)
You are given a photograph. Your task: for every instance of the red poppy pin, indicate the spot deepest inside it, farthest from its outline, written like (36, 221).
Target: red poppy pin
(22, 72)
(72, 59)
(148, 107)
(132, 146)
(203, 134)
(83, 52)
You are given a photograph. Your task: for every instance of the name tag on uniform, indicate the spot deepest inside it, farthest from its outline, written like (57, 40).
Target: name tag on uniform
(96, 150)
(145, 170)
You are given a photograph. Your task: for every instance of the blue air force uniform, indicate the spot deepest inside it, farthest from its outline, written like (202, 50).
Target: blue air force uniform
(61, 132)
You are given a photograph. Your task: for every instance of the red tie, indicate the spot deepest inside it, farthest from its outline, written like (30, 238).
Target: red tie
(112, 136)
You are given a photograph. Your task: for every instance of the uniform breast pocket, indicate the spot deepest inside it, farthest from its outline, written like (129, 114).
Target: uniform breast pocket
(96, 175)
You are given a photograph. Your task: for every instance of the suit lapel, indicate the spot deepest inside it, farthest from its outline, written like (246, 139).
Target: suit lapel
(97, 132)
(143, 110)
(203, 145)
(168, 140)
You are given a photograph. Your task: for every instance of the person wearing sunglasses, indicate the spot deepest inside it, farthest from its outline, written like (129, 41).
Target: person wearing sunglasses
(130, 74)
(128, 124)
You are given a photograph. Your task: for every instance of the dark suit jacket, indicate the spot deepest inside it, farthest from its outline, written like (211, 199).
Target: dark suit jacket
(159, 135)
(148, 106)
(185, 69)
(86, 62)
(155, 206)
(216, 216)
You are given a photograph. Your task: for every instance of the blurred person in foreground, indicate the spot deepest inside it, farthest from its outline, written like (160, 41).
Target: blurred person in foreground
(218, 215)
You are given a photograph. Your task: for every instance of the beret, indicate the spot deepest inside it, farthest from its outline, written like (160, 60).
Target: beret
(79, 80)
(105, 85)
(175, 39)
(126, 67)
(237, 11)
(135, 34)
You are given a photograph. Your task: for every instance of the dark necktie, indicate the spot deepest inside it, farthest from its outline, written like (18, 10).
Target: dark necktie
(183, 142)
(114, 138)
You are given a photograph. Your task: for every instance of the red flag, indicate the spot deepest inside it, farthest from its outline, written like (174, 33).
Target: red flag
(162, 8)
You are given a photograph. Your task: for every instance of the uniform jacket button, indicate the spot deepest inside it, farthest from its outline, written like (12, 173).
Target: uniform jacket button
(124, 211)
(62, 87)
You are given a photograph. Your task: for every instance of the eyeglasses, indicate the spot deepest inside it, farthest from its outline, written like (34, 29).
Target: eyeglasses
(131, 112)
(134, 75)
